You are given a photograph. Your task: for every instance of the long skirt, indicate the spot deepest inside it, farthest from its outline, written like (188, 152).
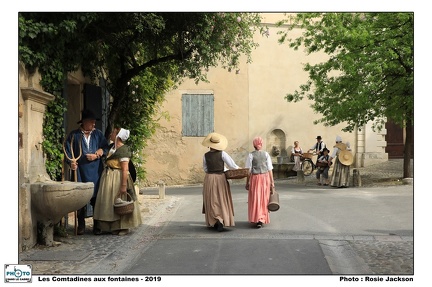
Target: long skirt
(258, 198)
(217, 200)
(108, 220)
(340, 175)
(297, 163)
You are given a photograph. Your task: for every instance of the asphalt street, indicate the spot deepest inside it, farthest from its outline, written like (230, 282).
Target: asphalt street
(321, 235)
(317, 231)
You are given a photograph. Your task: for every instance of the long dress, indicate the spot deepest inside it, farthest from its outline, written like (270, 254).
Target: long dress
(217, 199)
(259, 186)
(109, 187)
(340, 174)
(297, 158)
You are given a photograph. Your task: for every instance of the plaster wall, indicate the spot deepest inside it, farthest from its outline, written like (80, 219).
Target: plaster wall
(247, 103)
(375, 144)
(176, 159)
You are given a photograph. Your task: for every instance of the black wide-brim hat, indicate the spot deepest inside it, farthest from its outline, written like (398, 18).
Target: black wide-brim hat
(87, 115)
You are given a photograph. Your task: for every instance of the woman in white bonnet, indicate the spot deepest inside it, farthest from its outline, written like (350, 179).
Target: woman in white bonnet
(341, 169)
(116, 180)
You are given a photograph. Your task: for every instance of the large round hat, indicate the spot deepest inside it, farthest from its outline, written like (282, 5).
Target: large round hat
(340, 146)
(215, 141)
(346, 157)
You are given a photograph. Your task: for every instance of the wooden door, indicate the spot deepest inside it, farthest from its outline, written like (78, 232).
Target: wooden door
(395, 141)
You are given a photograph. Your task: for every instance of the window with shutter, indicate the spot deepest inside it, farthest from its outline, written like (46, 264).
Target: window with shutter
(197, 114)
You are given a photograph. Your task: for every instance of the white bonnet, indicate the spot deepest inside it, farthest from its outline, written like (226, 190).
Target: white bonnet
(123, 134)
(338, 139)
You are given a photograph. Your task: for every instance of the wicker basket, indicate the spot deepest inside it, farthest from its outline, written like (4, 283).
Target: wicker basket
(308, 155)
(237, 173)
(126, 207)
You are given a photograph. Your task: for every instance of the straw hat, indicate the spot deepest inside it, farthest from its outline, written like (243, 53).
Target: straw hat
(346, 157)
(340, 146)
(215, 141)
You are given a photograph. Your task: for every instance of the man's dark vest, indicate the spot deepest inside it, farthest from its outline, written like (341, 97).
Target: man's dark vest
(215, 163)
(318, 146)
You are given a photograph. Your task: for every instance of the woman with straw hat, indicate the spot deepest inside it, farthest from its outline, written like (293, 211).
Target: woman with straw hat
(217, 201)
(341, 169)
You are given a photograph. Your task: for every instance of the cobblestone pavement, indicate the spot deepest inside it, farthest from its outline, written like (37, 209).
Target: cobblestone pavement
(383, 174)
(386, 255)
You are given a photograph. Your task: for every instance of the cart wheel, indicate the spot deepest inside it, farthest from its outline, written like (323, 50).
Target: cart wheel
(307, 167)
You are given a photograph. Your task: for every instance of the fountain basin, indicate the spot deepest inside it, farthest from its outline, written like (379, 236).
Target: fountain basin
(283, 170)
(52, 200)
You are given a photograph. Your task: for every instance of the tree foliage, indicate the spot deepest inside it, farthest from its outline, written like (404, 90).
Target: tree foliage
(140, 55)
(369, 73)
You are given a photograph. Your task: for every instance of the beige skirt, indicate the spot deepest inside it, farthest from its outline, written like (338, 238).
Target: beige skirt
(104, 210)
(217, 200)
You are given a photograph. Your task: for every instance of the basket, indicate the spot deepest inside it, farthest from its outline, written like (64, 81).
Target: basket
(125, 207)
(237, 173)
(308, 155)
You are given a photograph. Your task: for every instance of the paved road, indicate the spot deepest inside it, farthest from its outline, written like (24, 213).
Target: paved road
(330, 234)
(318, 230)
(313, 232)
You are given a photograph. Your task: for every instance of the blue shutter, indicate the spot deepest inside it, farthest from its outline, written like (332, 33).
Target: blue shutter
(197, 115)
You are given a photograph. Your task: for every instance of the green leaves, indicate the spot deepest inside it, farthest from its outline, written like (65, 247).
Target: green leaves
(153, 52)
(53, 132)
(369, 71)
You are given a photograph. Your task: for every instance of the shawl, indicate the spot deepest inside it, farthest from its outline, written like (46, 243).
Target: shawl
(112, 162)
(121, 152)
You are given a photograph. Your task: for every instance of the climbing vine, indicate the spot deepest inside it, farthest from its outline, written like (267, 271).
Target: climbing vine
(53, 133)
(140, 112)
(140, 55)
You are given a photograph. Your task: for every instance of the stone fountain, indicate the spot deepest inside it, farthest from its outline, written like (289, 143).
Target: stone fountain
(42, 201)
(282, 167)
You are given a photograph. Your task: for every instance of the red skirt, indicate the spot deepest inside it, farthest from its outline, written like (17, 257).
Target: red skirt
(258, 198)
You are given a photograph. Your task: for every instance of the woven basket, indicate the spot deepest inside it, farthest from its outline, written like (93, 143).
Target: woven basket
(237, 173)
(308, 155)
(125, 207)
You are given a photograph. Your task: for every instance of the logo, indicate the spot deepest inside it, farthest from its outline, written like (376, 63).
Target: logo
(18, 273)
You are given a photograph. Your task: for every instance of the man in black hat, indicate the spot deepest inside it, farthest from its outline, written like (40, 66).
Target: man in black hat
(92, 145)
(318, 147)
